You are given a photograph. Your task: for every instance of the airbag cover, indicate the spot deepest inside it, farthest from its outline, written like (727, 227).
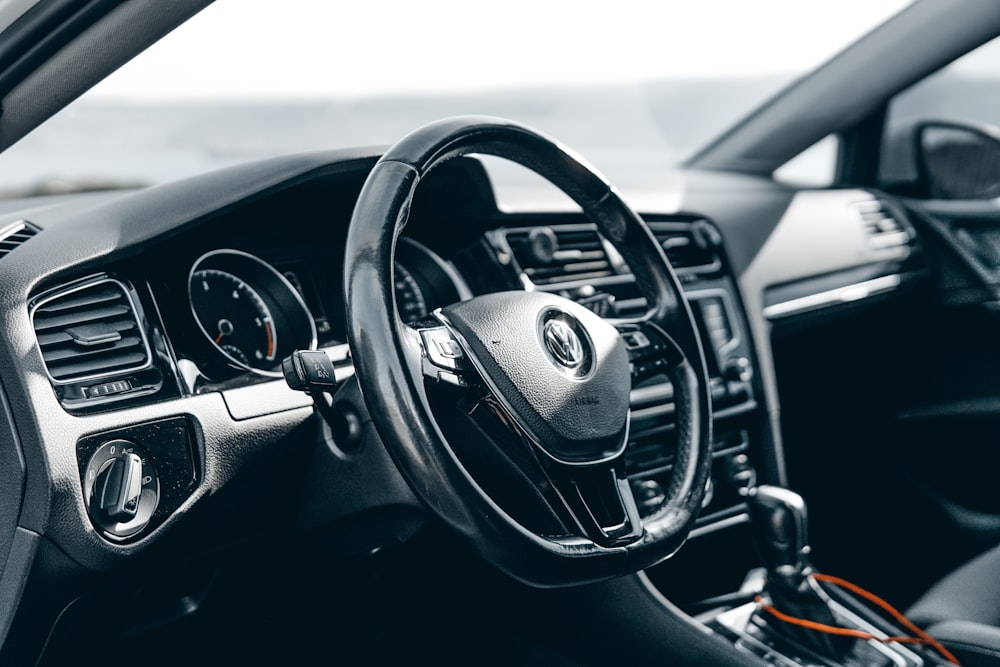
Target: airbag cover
(558, 368)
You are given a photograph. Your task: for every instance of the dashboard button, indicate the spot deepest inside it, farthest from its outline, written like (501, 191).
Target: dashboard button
(108, 388)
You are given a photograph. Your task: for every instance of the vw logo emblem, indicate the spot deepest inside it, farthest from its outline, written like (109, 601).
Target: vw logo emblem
(564, 344)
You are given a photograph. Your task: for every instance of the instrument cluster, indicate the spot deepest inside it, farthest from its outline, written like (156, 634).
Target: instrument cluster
(252, 313)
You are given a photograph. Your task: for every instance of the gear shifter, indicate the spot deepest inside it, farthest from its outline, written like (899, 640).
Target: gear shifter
(780, 530)
(780, 533)
(794, 620)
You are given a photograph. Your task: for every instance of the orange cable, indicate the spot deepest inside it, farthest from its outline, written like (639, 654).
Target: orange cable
(832, 629)
(892, 611)
(921, 638)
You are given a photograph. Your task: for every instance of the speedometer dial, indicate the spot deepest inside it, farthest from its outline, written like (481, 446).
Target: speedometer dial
(236, 317)
(250, 314)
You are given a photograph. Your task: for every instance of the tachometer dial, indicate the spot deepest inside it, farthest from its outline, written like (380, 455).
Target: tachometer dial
(248, 311)
(235, 316)
(410, 300)
(424, 281)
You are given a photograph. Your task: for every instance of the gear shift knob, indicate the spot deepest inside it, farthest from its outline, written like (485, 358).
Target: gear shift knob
(780, 533)
(780, 529)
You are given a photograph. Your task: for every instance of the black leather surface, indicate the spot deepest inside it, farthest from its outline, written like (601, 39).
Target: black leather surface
(970, 593)
(974, 644)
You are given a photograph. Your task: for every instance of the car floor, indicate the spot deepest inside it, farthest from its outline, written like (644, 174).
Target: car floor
(301, 602)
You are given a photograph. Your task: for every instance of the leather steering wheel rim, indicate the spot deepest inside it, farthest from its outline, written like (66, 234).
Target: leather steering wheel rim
(387, 357)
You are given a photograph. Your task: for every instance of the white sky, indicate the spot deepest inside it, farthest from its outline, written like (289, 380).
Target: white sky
(321, 48)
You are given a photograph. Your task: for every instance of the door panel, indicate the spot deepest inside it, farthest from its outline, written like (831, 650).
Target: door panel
(950, 419)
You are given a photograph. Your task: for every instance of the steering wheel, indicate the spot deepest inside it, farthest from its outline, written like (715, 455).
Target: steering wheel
(508, 414)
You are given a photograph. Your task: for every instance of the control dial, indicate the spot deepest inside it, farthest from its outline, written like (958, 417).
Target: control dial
(122, 489)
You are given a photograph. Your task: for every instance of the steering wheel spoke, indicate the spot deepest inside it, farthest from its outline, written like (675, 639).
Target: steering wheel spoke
(592, 501)
(599, 500)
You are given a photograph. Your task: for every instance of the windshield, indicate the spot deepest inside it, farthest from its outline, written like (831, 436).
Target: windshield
(633, 86)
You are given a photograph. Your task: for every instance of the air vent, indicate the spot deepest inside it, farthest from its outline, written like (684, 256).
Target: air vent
(14, 235)
(689, 247)
(881, 226)
(90, 332)
(553, 255)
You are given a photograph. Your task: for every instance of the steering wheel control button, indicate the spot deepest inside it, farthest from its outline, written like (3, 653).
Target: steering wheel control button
(442, 349)
(122, 489)
(309, 370)
(651, 352)
(635, 340)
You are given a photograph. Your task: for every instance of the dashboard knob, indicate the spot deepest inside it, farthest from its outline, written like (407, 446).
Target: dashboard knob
(118, 486)
(649, 495)
(738, 370)
(122, 489)
(705, 235)
(542, 244)
(741, 474)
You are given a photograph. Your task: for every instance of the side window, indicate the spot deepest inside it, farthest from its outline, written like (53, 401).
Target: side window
(816, 166)
(942, 135)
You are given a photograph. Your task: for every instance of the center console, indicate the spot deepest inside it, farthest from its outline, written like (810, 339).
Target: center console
(794, 616)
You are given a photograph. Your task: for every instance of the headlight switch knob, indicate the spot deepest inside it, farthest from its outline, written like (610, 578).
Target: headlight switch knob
(118, 486)
(121, 490)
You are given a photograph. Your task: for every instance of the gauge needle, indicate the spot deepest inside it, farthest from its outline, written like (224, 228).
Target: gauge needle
(225, 328)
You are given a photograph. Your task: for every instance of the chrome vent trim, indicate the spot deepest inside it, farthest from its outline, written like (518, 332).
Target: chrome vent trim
(577, 253)
(90, 331)
(14, 234)
(582, 256)
(840, 295)
(683, 249)
(881, 226)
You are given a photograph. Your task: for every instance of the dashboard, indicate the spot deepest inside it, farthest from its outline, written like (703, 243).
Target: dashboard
(194, 316)
(149, 330)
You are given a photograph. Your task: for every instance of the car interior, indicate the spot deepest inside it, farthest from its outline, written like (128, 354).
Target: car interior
(363, 405)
